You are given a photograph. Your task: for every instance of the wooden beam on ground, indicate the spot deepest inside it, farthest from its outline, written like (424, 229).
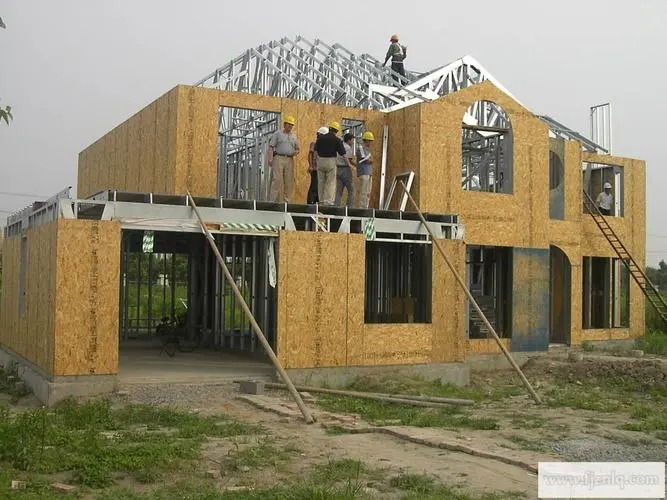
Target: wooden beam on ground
(472, 300)
(308, 417)
(425, 401)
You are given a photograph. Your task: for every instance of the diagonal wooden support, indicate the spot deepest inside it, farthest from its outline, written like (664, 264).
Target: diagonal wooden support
(307, 416)
(472, 300)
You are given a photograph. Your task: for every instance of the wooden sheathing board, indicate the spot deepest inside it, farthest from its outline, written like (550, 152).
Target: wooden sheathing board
(631, 229)
(313, 299)
(86, 302)
(485, 346)
(146, 180)
(448, 304)
(197, 133)
(138, 155)
(403, 150)
(516, 219)
(321, 308)
(30, 335)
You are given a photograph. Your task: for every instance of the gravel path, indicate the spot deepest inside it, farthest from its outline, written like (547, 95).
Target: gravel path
(602, 450)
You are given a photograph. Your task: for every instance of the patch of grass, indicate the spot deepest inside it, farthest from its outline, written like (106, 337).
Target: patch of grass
(334, 430)
(449, 417)
(648, 419)
(527, 421)
(420, 387)
(587, 346)
(260, 455)
(95, 442)
(339, 470)
(582, 398)
(528, 444)
(422, 486)
(654, 342)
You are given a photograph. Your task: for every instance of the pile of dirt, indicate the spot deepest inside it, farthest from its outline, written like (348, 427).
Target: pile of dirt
(636, 374)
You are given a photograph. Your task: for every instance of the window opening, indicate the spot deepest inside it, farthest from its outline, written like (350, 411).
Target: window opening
(606, 293)
(486, 149)
(398, 282)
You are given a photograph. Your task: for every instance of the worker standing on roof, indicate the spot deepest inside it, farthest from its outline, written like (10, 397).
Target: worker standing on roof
(312, 168)
(605, 200)
(365, 168)
(283, 147)
(397, 53)
(327, 147)
(344, 179)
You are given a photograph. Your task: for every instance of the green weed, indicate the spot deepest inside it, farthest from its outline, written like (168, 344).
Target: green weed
(654, 342)
(422, 486)
(377, 411)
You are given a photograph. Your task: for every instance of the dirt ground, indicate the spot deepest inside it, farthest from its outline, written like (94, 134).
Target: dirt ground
(599, 408)
(525, 431)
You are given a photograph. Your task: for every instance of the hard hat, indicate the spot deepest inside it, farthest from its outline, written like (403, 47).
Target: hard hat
(394, 38)
(290, 120)
(368, 136)
(607, 185)
(334, 125)
(323, 130)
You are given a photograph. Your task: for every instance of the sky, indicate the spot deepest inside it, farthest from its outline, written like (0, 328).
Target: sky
(74, 69)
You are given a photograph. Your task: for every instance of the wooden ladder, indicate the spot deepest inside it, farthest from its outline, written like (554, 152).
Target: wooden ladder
(650, 291)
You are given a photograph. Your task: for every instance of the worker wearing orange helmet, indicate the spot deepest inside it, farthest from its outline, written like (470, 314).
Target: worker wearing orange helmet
(397, 53)
(283, 147)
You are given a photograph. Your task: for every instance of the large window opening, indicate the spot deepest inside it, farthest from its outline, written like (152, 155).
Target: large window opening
(489, 276)
(243, 138)
(398, 282)
(597, 176)
(486, 149)
(606, 293)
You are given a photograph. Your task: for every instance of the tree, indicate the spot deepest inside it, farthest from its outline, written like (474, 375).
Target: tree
(5, 112)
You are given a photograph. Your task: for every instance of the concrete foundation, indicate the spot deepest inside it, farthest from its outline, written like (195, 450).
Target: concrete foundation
(493, 362)
(340, 377)
(613, 344)
(50, 390)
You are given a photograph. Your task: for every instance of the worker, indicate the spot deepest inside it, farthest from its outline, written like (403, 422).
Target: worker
(283, 147)
(605, 200)
(327, 146)
(312, 168)
(344, 166)
(397, 53)
(365, 168)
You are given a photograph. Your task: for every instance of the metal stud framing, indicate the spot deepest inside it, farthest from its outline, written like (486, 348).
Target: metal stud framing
(332, 74)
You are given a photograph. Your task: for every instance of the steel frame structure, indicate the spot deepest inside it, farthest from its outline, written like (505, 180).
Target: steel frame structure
(315, 71)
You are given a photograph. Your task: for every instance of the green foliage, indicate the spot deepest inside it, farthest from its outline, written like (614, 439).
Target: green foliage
(6, 114)
(654, 342)
(378, 412)
(422, 486)
(95, 442)
(11, 384)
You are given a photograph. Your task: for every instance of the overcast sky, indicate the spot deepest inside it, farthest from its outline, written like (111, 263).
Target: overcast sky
(74, 69)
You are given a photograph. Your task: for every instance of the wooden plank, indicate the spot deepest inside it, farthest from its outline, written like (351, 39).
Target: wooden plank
(448, 302)
(132, 178)
(314, 323)
(86, 321)
(356, 284)
(147, 152)
(161, 144)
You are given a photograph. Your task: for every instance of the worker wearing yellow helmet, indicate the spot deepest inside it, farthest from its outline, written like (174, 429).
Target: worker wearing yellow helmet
(365, 168)
(397, 53)
(328, 147)
(283, 147)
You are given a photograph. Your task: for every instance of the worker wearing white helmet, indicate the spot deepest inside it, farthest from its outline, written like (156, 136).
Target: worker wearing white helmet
(283, 147)
(605, 200)
(313, 197)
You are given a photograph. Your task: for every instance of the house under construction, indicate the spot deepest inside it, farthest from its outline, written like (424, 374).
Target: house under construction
(505, 190)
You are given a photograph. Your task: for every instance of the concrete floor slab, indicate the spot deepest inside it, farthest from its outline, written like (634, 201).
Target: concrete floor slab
(143, 364)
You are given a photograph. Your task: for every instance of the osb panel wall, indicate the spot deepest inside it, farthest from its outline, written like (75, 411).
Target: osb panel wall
(517, 219)
(403, 149)
(86, 302)
(197, 134)
(139, 155)
(30, 335)
(321, 308)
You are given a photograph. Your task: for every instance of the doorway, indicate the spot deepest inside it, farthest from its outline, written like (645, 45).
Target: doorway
(560, 292)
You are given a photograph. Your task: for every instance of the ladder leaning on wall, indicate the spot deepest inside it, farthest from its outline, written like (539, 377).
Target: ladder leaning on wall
(648, 288)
